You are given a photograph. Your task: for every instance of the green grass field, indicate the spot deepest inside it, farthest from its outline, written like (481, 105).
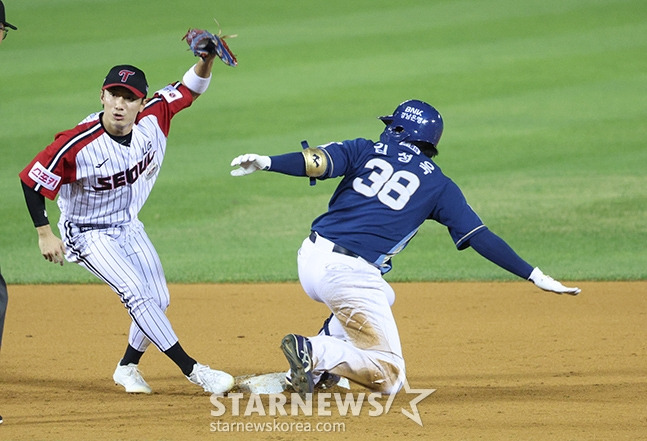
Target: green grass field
(544, 108)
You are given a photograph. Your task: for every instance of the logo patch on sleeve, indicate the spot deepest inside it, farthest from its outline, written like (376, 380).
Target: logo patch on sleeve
(170, 94)
(44, 177)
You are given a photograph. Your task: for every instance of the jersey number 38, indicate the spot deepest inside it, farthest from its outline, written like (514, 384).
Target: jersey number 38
(392, 189)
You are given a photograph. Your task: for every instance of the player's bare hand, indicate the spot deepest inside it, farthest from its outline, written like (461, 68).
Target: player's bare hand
(51, 247)
(547, 283)
(249, 163)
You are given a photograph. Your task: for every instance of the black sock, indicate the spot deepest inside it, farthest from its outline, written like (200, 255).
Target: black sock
(132, 355)
(181, 358)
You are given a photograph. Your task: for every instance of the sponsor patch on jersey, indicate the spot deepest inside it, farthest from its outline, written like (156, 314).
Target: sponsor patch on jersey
(170, 94)
(44, 177)
(152, 169)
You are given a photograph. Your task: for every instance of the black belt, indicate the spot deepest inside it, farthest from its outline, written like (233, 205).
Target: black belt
(87, 227)
(336, 248)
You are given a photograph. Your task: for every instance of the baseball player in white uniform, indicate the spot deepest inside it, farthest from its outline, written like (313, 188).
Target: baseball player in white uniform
(102, 171)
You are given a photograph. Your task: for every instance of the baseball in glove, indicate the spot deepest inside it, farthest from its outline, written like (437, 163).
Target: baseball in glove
(204, 43)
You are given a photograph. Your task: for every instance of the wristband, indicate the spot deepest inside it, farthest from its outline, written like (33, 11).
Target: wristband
(195, 83)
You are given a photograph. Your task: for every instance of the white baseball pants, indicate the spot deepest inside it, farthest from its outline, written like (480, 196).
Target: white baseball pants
(124, 258)
(364, 345)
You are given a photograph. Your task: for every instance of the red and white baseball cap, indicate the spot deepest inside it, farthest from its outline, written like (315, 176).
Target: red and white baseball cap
(129, 77)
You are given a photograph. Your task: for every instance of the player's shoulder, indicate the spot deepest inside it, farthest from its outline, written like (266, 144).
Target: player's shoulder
(357, 147)
(357, 143)
(91, 118)
(362, 142)
(88, 124)
(165, 103)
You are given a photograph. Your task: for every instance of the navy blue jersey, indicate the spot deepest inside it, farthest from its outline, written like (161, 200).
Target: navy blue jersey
(387, 192)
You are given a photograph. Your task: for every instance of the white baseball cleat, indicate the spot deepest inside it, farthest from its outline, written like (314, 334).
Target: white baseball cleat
(131, 379)
(211, 380)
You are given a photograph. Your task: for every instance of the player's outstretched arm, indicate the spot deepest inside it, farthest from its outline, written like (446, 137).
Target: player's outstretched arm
(496, 250)
(293, 164)
(198, 77)
(249, 163)
(310, 162)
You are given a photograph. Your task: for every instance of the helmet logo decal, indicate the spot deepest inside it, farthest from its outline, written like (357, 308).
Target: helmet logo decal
(414, 114)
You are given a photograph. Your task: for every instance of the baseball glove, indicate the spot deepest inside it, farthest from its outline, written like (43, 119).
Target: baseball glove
(204, 43)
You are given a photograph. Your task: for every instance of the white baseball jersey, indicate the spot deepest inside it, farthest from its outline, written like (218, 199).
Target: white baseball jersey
(98, 180)
(101, 186)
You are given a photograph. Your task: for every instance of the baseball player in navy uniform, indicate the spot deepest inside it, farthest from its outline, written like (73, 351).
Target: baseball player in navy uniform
(389, 188)
(4, 295)
(102, 171)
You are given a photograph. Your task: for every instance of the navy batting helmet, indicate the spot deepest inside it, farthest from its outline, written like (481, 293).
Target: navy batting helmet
(415, 122)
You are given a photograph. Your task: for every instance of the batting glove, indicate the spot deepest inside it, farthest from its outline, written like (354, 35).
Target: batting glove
(547, 283)
(249, 163)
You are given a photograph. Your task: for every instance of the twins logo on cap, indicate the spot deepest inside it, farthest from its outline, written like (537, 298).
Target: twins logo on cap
(125, 74)
(129, 77)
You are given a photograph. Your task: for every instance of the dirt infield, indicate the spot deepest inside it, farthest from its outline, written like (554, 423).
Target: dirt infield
(508, 362)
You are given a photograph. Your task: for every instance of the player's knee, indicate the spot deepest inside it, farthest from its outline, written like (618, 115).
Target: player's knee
(145, 298)
(393, 385)
(163, 303)
(142, 306)
(392, 377)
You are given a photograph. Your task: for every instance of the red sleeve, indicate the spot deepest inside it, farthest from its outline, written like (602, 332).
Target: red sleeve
(166, 103)
(56, 165)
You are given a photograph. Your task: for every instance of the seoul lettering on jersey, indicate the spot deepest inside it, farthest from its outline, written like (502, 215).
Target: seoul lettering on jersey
(124, 177)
